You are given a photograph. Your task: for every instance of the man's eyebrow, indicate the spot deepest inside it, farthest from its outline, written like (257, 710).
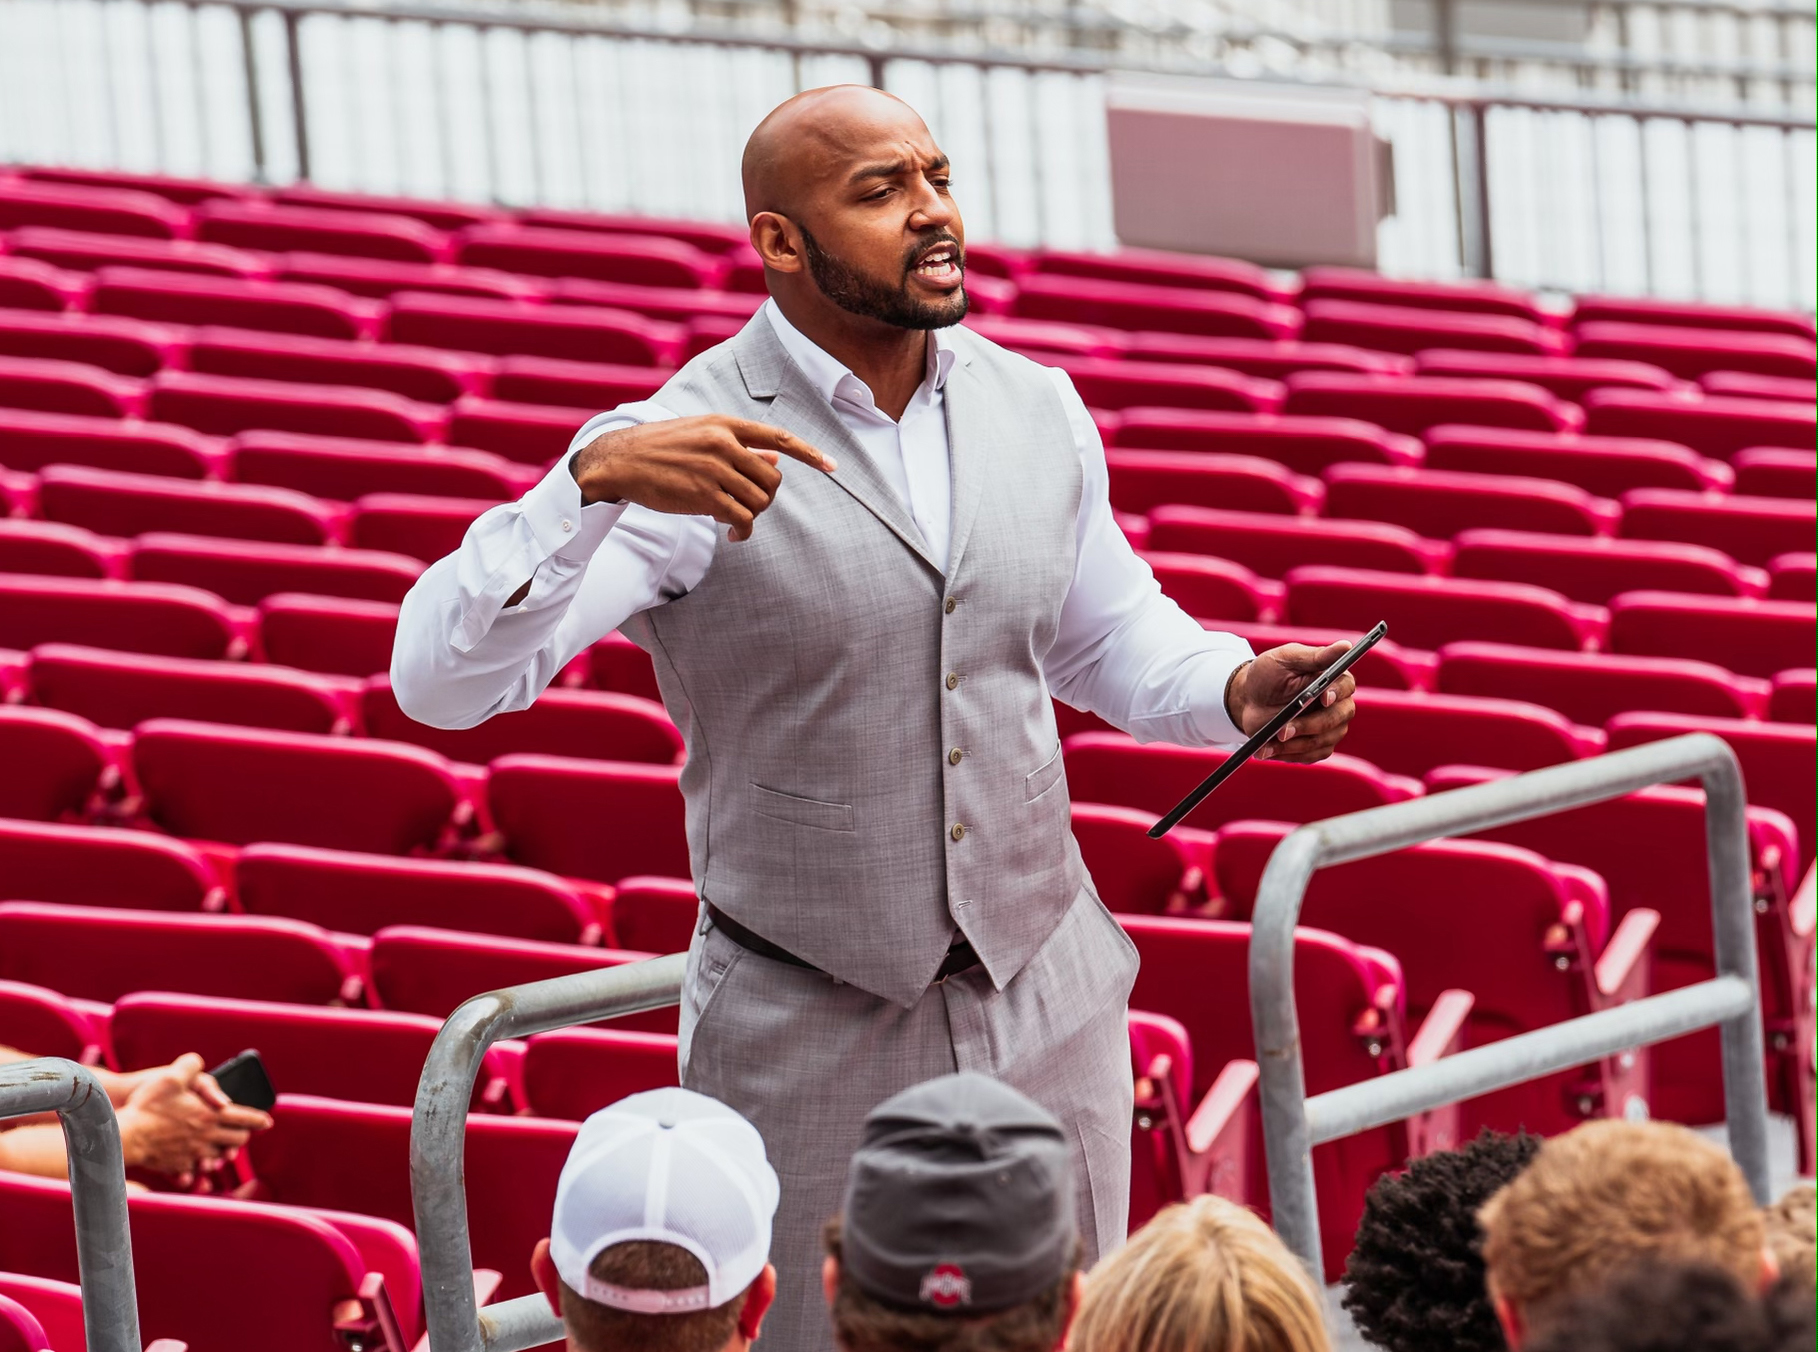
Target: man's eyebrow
(894, 169)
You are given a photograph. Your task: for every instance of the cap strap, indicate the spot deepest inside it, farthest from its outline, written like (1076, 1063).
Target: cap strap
(684, 1300)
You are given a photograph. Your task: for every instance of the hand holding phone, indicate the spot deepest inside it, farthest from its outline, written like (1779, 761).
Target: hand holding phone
(243, 1079)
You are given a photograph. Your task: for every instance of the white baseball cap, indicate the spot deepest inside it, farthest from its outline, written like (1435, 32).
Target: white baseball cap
(674, 1167)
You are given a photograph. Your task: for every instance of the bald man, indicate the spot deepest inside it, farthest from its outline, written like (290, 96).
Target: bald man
(863, 546)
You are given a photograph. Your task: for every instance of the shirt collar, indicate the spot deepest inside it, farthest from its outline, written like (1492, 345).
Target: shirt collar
(828, 374)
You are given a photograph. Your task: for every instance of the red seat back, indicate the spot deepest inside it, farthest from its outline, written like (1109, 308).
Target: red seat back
(1410, 732)
(48, 547)
(1754, 637)
(1141, 480)
(1594, 570)
(280, 307)
(1305, 445)
(1715, 425)
(31, 440)
(1273, 544)
(1752, 530)
(1440, 503)
(57, 1306)
(586, 723)
(227, 404)
(1591, 687)
(1608, 466)
(131, 617)
(55, 763)
(315, 633)
(119, 690)
(415, 525)
(1426, 612)
(112, 503)
(103, 866)
(246, 572)
(1135, 875)
(42, 1022)
(69, 387)
(1135, 305)
(574, 384)
(1776, 471)
(578, 333)
(543, 252)
(590, 819)
(1412, 404)
(654, 915)
(275, 227)
(1411, 329)
(574, 1072)
(411, 372)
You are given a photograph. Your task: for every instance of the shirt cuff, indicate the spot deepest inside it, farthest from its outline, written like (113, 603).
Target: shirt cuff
(562, 526)
(1208, 713)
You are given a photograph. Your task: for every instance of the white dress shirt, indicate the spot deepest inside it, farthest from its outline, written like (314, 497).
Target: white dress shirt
(1122, 649)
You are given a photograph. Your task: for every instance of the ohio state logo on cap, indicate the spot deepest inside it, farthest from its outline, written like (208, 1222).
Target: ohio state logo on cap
(947, 1285)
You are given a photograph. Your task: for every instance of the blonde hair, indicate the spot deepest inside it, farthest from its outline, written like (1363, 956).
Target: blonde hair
(1203, 1276)
(1608, 1194)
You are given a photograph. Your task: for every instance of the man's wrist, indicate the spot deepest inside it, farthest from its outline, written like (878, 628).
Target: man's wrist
(1231, 684)
(591, 474)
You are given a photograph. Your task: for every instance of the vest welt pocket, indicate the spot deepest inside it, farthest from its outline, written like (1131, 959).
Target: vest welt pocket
(1038, 782)
(787, 807)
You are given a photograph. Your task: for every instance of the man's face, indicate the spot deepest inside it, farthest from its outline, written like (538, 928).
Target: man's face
(880, 232)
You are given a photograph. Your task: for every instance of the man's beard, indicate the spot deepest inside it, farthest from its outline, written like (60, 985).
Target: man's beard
(860, 295)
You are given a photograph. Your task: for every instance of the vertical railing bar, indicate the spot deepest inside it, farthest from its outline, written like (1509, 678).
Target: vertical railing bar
(438, 86)
(299, 108)
(199, 87)
(160, 142)
(255, 116)
(1691, 195)
(488, 137)
(538, 178)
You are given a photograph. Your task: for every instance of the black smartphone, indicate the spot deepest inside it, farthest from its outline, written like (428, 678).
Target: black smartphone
(1265, 734)
(243, 1079)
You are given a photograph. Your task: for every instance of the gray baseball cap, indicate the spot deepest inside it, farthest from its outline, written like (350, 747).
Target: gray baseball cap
(959, 1200)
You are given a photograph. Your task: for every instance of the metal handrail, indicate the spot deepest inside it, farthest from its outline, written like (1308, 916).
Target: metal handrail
(97, 1189)
(438, 1128)
(1293, 1123)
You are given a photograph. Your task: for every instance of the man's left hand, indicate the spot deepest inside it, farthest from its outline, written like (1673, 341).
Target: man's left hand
(1259, 689)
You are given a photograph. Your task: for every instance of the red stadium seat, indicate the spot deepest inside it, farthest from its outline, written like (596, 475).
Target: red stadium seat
(127, 347)
(1794, 698)
(363, 893)
(1688, 314)
(1045, 339)
(442, 215)
(1715, 425)
(425, 374)
(1411, 732)
(578, 333)
(1749, 385)
(184, 191)
(1472, 297)
(574, 1072)
(246, 572)
(281, 307)
(55, 1306)
(1670, 877)
(345, 468)
(1424, 612)
(1213, 588)
(1596, 569)
(20, 1330)
(1350, 1005)
(589, 819)
(381, 279)
(106, 953)
(1522, 935)
(328, 634)
(104, 866)
(120, 690)
(42, 1022)
(277, 228)
(107, 211)
(432, 971)
(1589, 688)
(573, 384)
(1272, 358)
(1108, 767)
(707, 331)
(1141, 480)
(1133, 874)
(415, 525)
(238, 785)
(587, 723)
(704, 235)
(52, 386)
(1120, 384)
(57, 766)
(85, 251)
(227, 404)
(1776, 472)
(1415, 403)
(1692, 352)
(30, 441)
(1410, 329)
(113, 503)
(1440, 503)
(131, 617)
(1607, 466)
(654, 915)
(676, 304)
(1751, 530)
(616, 663)
(207, 1271)
(27, 284)
(1273, 544)
(59, 550)
(1128, 305)
(1389, 664)
(1776, 759)
(1754, 637)
(529, 433)
(540, 252)
(1567, 377)
(1305, 445)
(1790, 577)
(1153, 267)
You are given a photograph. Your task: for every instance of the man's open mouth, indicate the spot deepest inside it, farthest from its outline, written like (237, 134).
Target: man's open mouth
(938, 263)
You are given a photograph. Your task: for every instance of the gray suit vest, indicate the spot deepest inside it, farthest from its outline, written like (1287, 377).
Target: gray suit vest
(872, 755)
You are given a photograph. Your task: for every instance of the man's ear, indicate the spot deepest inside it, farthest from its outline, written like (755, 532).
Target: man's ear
(543, 1272)
(758, 1298)
(830, 1278)
(1508, 1314)
(1076, 1292)
(777, 242)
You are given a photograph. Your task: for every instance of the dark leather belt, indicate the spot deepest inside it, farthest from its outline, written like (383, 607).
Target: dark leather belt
(960, 957)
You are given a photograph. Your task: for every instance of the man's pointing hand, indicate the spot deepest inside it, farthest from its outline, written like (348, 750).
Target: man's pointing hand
(716, 466)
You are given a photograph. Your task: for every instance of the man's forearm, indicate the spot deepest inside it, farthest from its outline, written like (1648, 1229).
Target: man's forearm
(34, 1150)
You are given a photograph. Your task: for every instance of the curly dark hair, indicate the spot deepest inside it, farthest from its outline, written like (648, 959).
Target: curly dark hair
(1415, 1281)
(1658, 1306)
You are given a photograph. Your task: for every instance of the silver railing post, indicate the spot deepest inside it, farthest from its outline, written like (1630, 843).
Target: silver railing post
(97, 1189)
(438, 1181)
(1293, 1124)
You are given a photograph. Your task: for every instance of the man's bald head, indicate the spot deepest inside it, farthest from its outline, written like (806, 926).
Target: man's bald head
(814, 136)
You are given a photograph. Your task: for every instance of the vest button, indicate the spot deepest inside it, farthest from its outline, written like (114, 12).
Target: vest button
(952, 604)
(953, 680)
(959, 831)
(953, 756)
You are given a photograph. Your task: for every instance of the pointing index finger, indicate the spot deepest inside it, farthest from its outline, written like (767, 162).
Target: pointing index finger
(763, 436)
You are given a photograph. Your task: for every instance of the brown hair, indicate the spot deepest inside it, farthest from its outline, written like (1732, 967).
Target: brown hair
(1790, 1234)
(647, 1265)
(1203, 1276)
(861, 1323)
(1606, 1195)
